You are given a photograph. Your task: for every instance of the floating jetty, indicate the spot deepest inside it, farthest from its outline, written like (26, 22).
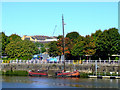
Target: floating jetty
(110, 77)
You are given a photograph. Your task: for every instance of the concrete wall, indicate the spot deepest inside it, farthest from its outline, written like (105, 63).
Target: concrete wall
(83, 68)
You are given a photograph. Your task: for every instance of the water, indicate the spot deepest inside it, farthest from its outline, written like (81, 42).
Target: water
(45, 82)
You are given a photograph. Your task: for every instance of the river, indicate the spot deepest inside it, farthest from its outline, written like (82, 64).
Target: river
(45, 82)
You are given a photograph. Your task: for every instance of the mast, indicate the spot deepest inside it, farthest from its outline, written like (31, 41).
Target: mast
(63, 41)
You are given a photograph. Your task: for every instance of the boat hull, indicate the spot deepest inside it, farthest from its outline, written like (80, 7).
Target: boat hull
(70, 74)
(37, 74)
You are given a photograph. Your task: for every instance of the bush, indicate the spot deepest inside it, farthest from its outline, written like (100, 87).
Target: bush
(54, 65)
(84, 75)
(16, 73)
(116, 58)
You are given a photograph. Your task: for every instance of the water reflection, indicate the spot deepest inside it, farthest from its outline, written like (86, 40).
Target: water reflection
(45, 82)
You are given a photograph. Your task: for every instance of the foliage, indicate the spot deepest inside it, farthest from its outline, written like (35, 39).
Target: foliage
(84, 75)
(78, 49)
(60, 36)
(43, 49)
(84, 46)
(68, 45)
(73, 36)
(21, 49)
(116, 58)
(98, 44)
(53, 49)
(15, 73)
(38, 44)
(46, 45)
(108, 43)
(14, 37)
(5, 41)
(89, 48)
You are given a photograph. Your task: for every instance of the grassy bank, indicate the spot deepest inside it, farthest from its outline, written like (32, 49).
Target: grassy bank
(14, 73)
(84, 75)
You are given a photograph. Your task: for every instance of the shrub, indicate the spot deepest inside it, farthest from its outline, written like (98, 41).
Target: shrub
(16, 73)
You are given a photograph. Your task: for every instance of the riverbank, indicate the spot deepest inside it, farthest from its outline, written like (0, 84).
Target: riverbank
(52, 72)
(14, 73)
(25, 73)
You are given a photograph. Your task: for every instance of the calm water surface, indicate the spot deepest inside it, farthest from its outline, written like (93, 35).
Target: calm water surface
(44, 82)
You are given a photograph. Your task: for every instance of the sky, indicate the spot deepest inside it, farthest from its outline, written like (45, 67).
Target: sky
(40, 18)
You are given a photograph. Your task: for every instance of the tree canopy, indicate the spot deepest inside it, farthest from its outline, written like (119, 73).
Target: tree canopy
(14, 37)
(73, 36)
(22, 49)
(108, 43)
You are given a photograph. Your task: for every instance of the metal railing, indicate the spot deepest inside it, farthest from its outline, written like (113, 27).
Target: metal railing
(61, 62)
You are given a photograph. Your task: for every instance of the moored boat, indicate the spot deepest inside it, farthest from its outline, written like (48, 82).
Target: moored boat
(68, 74)
(38, 73)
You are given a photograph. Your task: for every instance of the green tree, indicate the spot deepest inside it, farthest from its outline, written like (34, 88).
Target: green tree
(43, 49)
(14, 37)
(84, 46)
(60, 36)
(108, 43)
(5, 41)
(22, 49)
(78, 49)
(73, 36)
(53, 49)
(38, 44)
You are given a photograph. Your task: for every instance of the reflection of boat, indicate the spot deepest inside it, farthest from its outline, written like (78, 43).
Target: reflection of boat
(38, 73)
(68, 74)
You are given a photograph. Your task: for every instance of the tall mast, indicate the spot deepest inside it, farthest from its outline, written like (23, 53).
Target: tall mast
(63, 41)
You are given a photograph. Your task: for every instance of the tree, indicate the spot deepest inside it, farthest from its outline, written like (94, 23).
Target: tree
(108, 43)
(68, 47)
(73, 36)
(89, 48)
(84, 46)
(43, 49)
(96, 34)
(22, 49)
(38, 44)
(53, 49)
(40, 47)
(5, 41)
(60, 36)
(78, 49)
(14, 37)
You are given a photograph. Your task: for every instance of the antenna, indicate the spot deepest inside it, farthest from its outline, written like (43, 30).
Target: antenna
(54, 29)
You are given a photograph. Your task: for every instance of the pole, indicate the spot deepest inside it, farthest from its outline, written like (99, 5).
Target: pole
(63, 41)
(96, 67)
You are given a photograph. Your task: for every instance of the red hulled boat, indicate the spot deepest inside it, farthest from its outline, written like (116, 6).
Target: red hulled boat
(68, 74)
(38, 73)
